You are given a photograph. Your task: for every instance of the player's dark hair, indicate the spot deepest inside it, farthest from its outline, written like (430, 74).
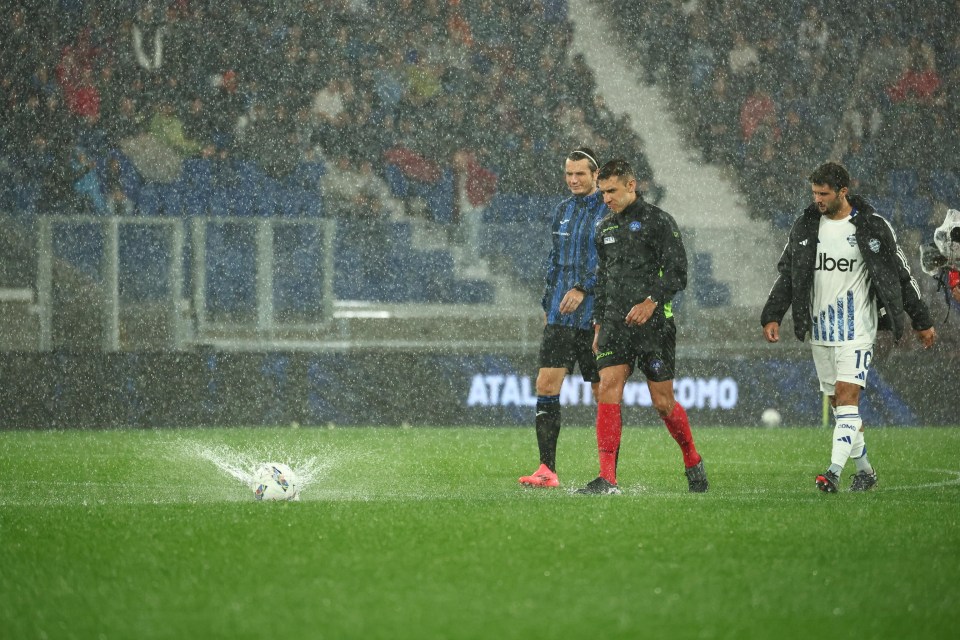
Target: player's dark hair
(832, 174)
(617, 168)
(584, 153)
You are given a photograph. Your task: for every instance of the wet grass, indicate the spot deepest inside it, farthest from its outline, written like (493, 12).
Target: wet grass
(424, 533)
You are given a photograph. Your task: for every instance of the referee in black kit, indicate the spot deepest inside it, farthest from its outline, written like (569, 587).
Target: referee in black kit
(568, 305)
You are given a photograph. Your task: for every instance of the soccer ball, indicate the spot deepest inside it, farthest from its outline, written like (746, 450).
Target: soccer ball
(275, 481)
(770, 418)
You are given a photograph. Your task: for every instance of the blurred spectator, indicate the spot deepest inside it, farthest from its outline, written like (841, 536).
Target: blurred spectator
(147, 37)
(167, 128)
(474, 187)
(89, 191)
(718, 129)
(813, 35)
(117, 201)
(354, 192)
(743, 58)
(270, 140)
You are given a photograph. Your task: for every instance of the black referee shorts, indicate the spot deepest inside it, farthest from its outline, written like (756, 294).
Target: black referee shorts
(564, 347)
(651, 347)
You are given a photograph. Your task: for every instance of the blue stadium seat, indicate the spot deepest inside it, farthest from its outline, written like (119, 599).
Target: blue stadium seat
(242, 199)
(82, 245)
(307, 175)
(886, 207)
(917, 213)
(783, 219)
(171, 199)
(902, 182)
(197, 172)
(298, 272)
(436, 275)
(712, 294)
(219, 202)
(398, 183)
(267, 198)
(472, 292)
(231, 268)
(130, 178)
(702, 265)
(143, 255)
(148, 200)
(439, 197)
(26, 197)
(196, 200)
(945, 187)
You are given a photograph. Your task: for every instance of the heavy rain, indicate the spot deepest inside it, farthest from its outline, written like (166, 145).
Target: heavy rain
(365, 245)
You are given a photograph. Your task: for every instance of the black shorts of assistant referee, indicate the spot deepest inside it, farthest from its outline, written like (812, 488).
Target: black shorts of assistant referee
(651, 347)
(563, 347)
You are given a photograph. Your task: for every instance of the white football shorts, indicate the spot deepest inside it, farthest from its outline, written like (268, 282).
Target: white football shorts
(845, 362)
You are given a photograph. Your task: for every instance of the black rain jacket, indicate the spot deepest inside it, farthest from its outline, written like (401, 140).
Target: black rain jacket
(640, 254)
(892, 285)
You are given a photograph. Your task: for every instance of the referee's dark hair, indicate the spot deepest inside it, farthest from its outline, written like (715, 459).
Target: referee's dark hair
(584, 153)
(832, 174)
(618, 168)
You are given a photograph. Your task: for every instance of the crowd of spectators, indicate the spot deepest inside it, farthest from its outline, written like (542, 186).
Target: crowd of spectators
(360, 86)
(779, 87)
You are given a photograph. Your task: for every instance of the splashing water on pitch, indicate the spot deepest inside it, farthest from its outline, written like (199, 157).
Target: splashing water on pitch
(241, 465)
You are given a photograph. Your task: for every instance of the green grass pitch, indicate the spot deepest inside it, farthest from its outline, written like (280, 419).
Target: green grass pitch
(425, 533)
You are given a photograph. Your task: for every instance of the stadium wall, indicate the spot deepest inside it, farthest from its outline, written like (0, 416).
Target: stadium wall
(155, 390)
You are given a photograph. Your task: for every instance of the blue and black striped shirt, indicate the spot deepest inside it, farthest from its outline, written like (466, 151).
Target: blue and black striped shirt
(573, 258)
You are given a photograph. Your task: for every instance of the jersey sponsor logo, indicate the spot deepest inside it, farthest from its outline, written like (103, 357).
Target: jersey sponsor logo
(604, 354)
(635, 226)
(610, 228)
(609, 239)
(826, 263)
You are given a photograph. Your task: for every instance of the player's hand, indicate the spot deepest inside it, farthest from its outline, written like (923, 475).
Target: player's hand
(571, 301)
(956, 293)
(641, 312)
(771, 331)
(927, 337)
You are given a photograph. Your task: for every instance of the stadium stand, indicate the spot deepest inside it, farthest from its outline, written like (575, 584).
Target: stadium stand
(219, 128)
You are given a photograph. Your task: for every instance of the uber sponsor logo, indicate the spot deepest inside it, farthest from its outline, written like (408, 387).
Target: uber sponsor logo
(826, 263)
(510, 390)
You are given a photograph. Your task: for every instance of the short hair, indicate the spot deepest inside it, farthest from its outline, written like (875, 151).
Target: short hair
(617, 168)
(584, 153)
(832, 174)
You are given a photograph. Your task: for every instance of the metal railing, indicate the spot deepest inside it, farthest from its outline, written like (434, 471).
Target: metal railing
(263, 320)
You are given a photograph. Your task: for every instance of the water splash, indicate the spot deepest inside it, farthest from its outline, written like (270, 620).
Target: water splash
(241, 465)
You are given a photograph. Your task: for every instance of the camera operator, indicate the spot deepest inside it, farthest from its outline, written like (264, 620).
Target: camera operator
(941, 258)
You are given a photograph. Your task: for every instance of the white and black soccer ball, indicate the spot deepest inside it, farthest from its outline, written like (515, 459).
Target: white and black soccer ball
(770, 418)
(275, 481)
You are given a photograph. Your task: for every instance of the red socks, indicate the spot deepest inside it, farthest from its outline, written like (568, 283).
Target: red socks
(609, 429)
(679, 427)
